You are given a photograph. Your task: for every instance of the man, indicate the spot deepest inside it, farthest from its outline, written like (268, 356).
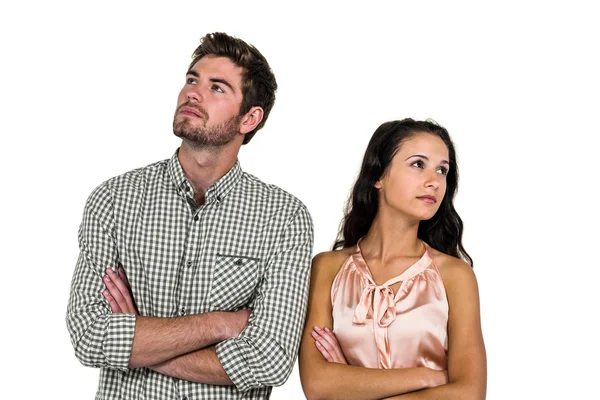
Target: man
(190, 268)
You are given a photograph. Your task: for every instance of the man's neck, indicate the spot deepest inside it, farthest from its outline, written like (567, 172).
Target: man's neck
(204, 166)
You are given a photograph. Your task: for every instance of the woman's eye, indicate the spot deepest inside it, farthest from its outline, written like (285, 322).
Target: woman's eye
(442, 170)
(418, 164)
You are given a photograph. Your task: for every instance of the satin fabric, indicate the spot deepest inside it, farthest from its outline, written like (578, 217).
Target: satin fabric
(377, 328)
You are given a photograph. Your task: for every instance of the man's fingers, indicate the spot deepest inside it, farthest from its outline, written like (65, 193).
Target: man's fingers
(114, 306)
(125, 281)
(112, 287)
(113, 293)
(119, 293)
(118, 281)
(122, 275)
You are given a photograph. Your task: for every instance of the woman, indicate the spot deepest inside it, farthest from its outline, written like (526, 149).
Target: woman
(394, 310)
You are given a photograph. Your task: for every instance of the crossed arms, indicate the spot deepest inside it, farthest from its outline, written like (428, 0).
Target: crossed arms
(216, 347)
(325, 374)
(178, 347)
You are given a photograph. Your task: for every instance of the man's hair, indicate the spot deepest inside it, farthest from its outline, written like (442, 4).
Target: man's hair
(258, 81)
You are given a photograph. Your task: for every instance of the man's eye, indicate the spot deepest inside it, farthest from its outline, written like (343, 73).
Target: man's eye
(218, 89)
(190, 81)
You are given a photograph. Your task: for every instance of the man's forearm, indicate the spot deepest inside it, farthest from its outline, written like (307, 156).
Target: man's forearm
(201, 366)
(159, 339)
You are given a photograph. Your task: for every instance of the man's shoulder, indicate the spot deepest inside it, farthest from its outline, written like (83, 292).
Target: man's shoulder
(134, 176)
(129, 182)
(264, 192)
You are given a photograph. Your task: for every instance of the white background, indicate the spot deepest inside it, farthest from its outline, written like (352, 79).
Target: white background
(88, 91)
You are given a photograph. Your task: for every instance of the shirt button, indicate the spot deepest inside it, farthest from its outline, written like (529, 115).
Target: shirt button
(195, 218)
(182, 312)
(186, 188)
(189, 264)
(238, 262)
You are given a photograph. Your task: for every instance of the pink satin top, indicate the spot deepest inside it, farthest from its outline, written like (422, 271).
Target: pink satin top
(379, 329)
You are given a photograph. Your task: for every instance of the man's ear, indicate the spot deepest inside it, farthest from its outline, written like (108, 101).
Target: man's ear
(251, 119)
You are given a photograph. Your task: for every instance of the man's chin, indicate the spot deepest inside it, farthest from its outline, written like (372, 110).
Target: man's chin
(198, 140)
(183, 134)
(184, 130)
(183, 124)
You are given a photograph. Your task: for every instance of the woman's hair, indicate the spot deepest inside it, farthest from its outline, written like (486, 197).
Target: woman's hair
(443, 231)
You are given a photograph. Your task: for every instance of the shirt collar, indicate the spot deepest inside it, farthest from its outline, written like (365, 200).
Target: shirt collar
(215, 192)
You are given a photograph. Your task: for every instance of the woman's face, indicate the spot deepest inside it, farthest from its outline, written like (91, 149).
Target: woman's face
(415, 182)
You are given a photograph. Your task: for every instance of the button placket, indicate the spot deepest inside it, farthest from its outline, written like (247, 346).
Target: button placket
(189, 265)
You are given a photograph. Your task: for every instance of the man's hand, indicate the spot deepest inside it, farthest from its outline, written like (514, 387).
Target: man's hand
(118, 292)
(328, 345)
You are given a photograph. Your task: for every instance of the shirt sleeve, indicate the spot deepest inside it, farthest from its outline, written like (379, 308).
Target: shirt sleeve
(265, 352)
(100, 338)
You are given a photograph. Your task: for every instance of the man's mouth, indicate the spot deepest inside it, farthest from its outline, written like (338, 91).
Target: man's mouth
(189, 111)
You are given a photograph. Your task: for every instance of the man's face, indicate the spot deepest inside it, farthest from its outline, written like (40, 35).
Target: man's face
(208, 105)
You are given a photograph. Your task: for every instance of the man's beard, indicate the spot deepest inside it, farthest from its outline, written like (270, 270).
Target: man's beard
(202, 136)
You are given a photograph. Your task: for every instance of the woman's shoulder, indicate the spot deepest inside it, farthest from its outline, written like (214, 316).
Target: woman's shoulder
(454, 271)
(329, 262)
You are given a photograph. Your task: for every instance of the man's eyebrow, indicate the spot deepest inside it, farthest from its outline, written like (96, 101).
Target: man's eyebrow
(425, 157)
(214, 80)
(224, 82)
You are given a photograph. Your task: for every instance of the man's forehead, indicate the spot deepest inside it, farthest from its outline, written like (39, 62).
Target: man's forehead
(216, 64)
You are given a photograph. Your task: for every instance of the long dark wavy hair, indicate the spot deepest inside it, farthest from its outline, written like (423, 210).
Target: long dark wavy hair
(443, 231)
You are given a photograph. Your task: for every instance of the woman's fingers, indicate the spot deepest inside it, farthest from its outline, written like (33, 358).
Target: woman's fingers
(326, 342)
(323, 351)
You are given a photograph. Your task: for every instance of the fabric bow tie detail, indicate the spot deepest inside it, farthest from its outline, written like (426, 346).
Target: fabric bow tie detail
(380, 299)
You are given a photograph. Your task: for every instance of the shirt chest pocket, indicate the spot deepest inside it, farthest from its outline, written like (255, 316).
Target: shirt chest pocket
(234, 282)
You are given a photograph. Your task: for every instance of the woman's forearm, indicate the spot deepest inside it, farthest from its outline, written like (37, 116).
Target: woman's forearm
(340, 381)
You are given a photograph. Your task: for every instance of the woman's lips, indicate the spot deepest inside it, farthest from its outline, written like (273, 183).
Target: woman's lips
(428, 199)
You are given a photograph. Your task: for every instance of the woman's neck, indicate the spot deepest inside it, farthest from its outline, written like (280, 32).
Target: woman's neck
(391, 236)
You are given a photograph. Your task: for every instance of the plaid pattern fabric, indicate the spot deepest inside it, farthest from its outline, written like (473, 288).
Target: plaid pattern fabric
(249, 245)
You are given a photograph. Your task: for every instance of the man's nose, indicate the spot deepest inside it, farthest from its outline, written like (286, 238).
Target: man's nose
(194, 95)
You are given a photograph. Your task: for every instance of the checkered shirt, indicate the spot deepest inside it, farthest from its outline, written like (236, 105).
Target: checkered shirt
(248, 246)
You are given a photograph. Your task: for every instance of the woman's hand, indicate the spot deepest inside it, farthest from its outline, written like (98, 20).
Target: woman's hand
(328, 345)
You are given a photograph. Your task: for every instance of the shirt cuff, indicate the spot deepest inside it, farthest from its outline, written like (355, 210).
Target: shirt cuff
(118, 341)
(235, 365)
